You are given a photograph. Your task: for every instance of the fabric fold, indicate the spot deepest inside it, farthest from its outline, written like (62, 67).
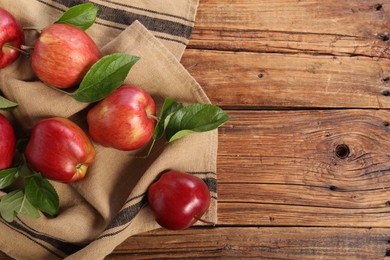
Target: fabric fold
(109, 205)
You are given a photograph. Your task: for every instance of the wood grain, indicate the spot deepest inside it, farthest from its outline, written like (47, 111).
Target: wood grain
(284, 80)
(286, 168)
(258, 243)
(342, 28)
(288, 53)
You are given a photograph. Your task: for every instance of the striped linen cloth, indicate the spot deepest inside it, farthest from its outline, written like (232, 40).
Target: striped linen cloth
(109, 205)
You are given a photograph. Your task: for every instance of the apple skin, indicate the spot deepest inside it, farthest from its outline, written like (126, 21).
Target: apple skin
(7, 143)
(11, 38)
(60, 150)
(62, 55)
(124, 120)
(178, 199)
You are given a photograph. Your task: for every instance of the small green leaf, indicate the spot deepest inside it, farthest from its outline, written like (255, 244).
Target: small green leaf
(168, 108)
(8, 176)
(82, 16)
(15, 203)
(42, 194)
(6, 104)
(194, 118)
(104, 77)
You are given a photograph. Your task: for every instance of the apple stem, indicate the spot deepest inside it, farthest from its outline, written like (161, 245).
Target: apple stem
(8, 45)
(153, 117)
(25, 47)
(205, 221)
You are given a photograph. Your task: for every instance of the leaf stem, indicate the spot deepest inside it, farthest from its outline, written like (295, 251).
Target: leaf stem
(60, 90)
(149, 151)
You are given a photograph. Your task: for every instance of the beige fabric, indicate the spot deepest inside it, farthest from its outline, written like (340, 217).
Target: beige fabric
(109, 205)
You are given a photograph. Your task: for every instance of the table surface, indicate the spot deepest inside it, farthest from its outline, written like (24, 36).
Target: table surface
(304, 169)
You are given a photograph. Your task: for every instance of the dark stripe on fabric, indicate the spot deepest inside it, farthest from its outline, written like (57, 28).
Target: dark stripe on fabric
(12, 226)
(67, 248)
(127, 18)
(135, 197)
(150, 11)
(113, 233)
(211, 184)
(172, 40)
(160, 37)
(126, 215)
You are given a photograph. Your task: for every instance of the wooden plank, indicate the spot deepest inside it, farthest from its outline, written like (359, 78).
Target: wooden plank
(288, 80)
(331, 27)
(258, 243)
(288, 53)
(305, 168)
(263, 242)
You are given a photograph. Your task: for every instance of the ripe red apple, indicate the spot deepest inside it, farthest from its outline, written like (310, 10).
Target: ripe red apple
(60, 150)
(63, 54)
(11, 38)
(178, 199)
(7, 143)
(124, 120)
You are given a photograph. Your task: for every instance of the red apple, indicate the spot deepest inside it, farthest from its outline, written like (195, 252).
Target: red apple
(63, 54)
(11, 38)
(7, 143)
(178, 199)
(124, 120)
(60, 150)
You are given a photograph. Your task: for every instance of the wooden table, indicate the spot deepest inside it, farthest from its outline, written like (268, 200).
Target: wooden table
(304, 169)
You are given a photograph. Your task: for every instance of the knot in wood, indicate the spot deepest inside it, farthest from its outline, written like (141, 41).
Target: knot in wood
(342, 151)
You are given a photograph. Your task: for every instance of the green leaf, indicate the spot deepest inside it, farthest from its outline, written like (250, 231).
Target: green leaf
(24, 170)
(15, 203)
(168, 108)
(8, 176)
(194, 118)
(104, 77)
(42, 194)
(6, 104)
(82, 16)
